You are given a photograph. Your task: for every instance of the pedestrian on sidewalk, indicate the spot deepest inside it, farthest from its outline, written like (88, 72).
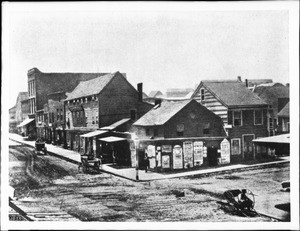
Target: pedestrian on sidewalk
(147, 162)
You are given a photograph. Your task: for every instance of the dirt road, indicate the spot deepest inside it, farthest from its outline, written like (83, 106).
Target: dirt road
(55, 186)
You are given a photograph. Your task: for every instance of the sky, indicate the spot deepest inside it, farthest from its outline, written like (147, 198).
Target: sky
(161, 48)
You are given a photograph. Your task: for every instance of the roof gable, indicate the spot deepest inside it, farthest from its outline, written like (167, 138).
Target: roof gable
(91, 87)
(154, 94)
(231, 93)
(285, 112)
(159, 115)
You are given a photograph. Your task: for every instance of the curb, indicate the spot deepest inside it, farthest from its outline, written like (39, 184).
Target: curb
(196, 175)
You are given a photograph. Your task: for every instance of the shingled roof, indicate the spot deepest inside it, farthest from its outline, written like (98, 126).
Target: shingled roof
(91, 87)
(159, 115)
(232, 93)
(285, 112)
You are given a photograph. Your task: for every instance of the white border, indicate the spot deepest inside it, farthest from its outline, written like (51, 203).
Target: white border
(291, 6)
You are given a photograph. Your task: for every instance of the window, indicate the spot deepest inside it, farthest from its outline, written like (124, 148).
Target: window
(270, 123)
(147, 132)
(258, 117)
(180, 130)
(57, 114)
(202, 92)
(236, 146)
(237, 118)
(206, 128)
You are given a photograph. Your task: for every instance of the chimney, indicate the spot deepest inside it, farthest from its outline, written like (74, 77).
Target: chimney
(246, 80)
(140, 91)
(157, 102)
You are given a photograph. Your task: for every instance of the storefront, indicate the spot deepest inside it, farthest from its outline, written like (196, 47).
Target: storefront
(181, 153)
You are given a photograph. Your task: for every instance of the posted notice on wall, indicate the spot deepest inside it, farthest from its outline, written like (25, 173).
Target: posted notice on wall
(177, 157)
(165, 161)
(225, 152)
(188, 152)
(198, 153)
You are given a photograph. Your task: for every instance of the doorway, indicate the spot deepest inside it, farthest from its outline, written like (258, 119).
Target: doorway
(248, 149)
(212, 155)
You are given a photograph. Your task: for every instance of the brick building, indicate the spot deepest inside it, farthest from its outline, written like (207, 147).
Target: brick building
(41, 84)
(245, 115)
(101, 102)
(21, 112)
(176, 134)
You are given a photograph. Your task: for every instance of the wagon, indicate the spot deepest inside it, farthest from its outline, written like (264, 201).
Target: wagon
(40, 147)
(89, 162)
(231, 197)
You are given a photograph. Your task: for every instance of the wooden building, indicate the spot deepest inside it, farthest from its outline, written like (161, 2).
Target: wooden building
(244, 114)
(284, 119)
(179, 135)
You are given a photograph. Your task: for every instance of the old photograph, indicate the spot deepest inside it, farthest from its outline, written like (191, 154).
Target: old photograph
(150, 115)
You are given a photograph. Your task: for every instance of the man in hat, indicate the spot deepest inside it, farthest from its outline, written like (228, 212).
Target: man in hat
(244, 201)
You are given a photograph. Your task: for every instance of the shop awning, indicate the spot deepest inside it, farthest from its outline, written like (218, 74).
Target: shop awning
(111, 139)
(280, 139)
(116, 124)
(25, 122)
(93, 133)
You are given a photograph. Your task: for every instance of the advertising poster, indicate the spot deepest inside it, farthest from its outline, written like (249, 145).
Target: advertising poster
(204, 151)
(198, 153)
(225, 152)
(151, 151)
(188, 154)
(177, 157)
(158, 156)
(133, 158)
(165, 161)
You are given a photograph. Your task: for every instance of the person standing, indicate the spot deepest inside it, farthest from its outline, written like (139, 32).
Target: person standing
(147, 162)
(244, 201)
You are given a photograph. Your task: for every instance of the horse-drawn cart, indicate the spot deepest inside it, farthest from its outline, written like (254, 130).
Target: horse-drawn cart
(40, 147)
(89, 162)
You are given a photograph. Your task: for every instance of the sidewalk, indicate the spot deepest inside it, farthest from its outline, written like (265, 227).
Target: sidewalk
(130, 173)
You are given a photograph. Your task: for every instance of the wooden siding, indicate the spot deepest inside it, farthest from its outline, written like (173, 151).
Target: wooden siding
(212, 103)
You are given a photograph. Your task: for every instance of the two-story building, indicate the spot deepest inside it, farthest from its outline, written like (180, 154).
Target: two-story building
(245, 115)
(12, 120)
(109, 100)
(179, 134)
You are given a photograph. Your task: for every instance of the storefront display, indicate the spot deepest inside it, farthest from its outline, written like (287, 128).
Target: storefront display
(188, 154)
(225, 152)
(165, 161)
(198, 153)
(177, 157)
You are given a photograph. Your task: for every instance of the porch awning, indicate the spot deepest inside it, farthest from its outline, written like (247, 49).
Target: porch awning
(25, 122)
(280, 139)
(93, 133)
(111, 139)
(116, 124)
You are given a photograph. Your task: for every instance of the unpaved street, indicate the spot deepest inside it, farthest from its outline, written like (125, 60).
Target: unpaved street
(45, 184)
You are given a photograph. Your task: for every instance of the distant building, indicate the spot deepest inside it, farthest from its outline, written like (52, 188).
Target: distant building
(277, 96)
(171, 130)
(12, 120)
(245, 115)
(284, 119)
(21, 114)
(155, 94)
(173, 93)
(252, 83)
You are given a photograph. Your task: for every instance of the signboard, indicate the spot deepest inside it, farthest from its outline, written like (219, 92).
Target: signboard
(188, 154)
(166, 148)
(177, 157)
(151, 155)
(165, 161)
(225, 152)
(198, 153)
(151, 151)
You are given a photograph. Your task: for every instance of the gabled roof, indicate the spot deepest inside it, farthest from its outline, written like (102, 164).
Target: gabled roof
(154, 94)
(231, 93)
(159, 115)
(178, 92)
(252, 82)
(91, 87)
(285, 112)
